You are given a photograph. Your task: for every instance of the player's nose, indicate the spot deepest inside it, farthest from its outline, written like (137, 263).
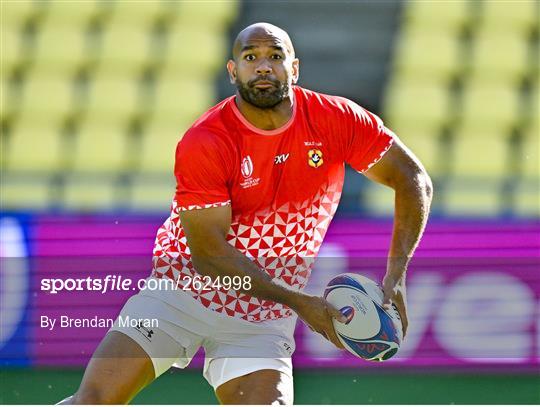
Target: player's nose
(264, 68)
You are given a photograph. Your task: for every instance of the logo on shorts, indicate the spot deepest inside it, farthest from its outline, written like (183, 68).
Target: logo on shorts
(315, 159)
(288, 348)
(145, 331)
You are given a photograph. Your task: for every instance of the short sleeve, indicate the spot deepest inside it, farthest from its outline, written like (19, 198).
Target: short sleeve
(367, 139)
(201, 172)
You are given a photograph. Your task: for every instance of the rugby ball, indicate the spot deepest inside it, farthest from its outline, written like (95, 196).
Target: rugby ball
(371, 332)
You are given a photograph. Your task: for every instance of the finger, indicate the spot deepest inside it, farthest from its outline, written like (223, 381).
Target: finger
(335, 313)
(332, 337)
(402, 311)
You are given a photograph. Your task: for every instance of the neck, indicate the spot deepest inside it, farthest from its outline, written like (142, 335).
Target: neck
(266, 119)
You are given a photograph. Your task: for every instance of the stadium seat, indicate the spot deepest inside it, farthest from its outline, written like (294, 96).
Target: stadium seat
(159, 144)
(183, 98)
(46, 98)
(437, 15)
(113, 97)
(479, 199)
(426, 146)
(10, 46)
(90, 194)
(513, 15)
(35, 146)
(195, 50)
(25, 193)
(427, 56)
(378, 199)
(499, 56)
(15, 13)
(125, 50)
(149, 194)
(493, 106)
(411, 104)
(101, 147)
(217, 14)
(141, 14)
(527, 199)
(73, 14)
(480, 156)
(60, 50)
(530, 158)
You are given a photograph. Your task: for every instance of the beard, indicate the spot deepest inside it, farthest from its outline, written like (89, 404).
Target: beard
(263, 98)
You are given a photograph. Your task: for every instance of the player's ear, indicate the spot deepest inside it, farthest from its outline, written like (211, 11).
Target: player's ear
(295, 70)
(231, 68)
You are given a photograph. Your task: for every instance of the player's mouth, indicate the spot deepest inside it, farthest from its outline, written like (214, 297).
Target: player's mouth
(263, 85)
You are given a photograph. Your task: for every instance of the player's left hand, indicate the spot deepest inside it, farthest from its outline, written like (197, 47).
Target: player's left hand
(396, 293)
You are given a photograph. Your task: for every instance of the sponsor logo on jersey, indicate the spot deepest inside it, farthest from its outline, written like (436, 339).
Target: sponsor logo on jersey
(281, 158)
(315, 159)
(312, 143)
(246, 167)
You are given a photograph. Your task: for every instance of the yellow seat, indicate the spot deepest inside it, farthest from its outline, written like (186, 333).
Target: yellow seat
(34, 146)
(159, 144)
(480, 155)
(530, 156)
(125, 50)
(185, 98)
(139, 14)
(101, 147)
(493, 106)
(113, 97)
(149, 194)
(527, 199)
(437, 15)
(195, 50)
(60, 50)
(78, 14)
(499, 56)
(510, 14)
(15, 13)
(408, 104)
(46, 99)
(472, 199)
(208, 13)
(428, 56)
(87, 194)
(10, 42)
(25, 193)
(426, 146)
(379, 199)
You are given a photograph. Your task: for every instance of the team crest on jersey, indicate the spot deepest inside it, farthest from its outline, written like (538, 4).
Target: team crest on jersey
(246, 167)
(315, 158)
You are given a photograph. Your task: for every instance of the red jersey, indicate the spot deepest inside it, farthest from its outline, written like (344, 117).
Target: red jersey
(283, 186)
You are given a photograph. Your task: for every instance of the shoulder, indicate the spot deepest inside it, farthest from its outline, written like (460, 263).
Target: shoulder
(209, 130)
(334, 106)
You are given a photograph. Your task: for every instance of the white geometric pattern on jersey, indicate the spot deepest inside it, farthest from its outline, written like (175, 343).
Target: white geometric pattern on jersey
(282, 241)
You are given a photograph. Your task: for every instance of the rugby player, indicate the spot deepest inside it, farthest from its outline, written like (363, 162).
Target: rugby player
(259, 177)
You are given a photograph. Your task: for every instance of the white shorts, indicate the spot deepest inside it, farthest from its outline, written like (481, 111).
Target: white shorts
(178, 326)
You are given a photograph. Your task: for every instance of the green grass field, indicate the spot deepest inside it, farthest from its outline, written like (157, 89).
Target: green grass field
(28, 386)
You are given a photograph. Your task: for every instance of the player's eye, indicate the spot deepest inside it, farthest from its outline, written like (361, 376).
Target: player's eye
(277, 56)
(249, 57)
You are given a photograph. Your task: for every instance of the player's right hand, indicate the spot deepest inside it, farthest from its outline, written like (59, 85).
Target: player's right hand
(318, 313)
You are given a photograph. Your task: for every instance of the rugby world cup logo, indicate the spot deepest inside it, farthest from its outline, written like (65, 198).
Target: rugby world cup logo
(246, 168)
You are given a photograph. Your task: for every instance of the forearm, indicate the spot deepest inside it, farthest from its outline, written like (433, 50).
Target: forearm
(228, 261)
(412, 204)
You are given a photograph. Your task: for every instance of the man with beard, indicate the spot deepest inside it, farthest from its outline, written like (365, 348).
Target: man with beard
(259, 178)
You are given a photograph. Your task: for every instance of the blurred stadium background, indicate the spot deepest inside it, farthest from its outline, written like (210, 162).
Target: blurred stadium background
(95, 95)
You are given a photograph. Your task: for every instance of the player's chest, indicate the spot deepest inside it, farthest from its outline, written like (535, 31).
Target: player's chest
(285, 169)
